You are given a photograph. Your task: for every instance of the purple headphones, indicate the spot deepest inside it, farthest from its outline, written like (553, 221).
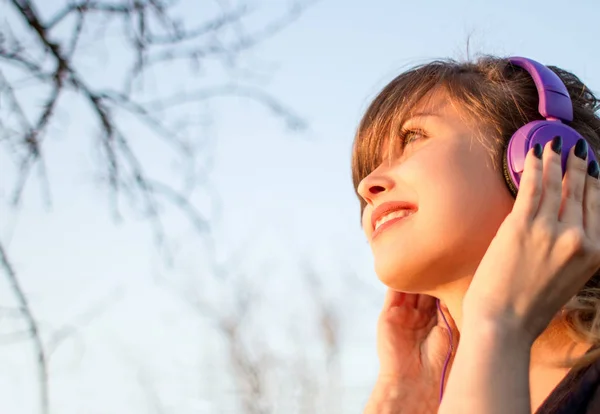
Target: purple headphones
(555, 105)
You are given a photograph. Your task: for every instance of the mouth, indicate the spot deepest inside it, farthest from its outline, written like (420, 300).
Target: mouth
(390, 213)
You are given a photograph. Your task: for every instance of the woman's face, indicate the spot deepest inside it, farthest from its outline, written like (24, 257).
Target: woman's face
(453, 200)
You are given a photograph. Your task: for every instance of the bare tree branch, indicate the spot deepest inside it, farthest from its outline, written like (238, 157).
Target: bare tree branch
(67, 331)
(293, 121)
(105, 103)
(153, 40)
(32, 326)
(85, 6)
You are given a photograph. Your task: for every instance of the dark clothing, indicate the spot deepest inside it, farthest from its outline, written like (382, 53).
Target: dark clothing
(577, 393)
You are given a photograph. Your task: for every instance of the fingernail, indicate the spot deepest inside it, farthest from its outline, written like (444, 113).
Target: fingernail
(593, 169)
(557, 144)
(538, 150)
(581, 149)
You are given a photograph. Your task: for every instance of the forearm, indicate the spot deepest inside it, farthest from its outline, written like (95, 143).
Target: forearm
(490, 373)
(392, 397)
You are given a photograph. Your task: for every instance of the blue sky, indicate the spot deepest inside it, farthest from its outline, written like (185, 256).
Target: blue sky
(286, 194)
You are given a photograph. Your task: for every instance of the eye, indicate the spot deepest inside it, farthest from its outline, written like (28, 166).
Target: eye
(408, 135)
(405, 137)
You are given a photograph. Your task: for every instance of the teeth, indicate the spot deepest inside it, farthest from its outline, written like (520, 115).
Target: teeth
(392, 215)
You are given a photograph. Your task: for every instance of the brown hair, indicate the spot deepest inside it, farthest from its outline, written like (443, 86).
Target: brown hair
(505, 98)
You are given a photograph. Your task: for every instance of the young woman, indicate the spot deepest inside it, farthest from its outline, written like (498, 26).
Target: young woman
(510, 262)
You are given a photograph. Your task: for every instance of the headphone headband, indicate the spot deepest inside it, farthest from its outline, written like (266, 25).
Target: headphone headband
(554, 105)
(554, 100)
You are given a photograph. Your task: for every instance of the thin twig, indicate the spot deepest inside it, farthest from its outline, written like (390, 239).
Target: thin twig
(32, 327)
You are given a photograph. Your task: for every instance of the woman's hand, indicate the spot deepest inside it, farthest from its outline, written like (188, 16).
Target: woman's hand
(412, 345)
(543, 254)
(546, 249)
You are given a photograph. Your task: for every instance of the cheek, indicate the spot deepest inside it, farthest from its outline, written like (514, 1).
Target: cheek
(468, 171)
(465, 196)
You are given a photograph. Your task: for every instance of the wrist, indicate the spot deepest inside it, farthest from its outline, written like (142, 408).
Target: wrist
(491, 368)
(498, 330)
(504, 322)
(392, 395)
(386, 397)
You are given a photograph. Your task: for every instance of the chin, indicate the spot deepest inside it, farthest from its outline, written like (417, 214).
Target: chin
(403, 279)
(411, 275)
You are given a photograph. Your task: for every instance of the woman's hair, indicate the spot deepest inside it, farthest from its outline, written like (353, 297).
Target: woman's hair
(497, 98)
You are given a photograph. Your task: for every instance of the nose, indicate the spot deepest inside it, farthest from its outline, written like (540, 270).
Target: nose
(374, 185)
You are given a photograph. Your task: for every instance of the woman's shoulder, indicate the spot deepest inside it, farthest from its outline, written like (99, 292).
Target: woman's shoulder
(578, 392)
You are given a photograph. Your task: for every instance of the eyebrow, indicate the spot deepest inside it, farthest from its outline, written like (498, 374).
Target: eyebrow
(419, 115)
(423, 115)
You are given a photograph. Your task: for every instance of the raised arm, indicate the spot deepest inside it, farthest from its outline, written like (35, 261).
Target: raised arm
(543, 254)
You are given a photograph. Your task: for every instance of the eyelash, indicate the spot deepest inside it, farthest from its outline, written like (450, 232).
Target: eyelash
(406, 132)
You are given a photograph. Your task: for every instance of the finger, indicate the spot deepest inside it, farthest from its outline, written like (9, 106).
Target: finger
(571, 210)
(552, 181)
(411, 300)
(444, 319)
(530, 187)
(446, 322)
(591, 203)
(393, 298)
(425, 302)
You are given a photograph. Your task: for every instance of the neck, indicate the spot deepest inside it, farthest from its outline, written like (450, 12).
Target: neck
(452, 294)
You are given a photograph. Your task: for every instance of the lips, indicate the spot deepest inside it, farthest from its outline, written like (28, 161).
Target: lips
(390, 207)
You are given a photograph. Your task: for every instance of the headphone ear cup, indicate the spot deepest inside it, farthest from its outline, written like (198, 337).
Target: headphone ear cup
(537, 132)
(507, 179)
